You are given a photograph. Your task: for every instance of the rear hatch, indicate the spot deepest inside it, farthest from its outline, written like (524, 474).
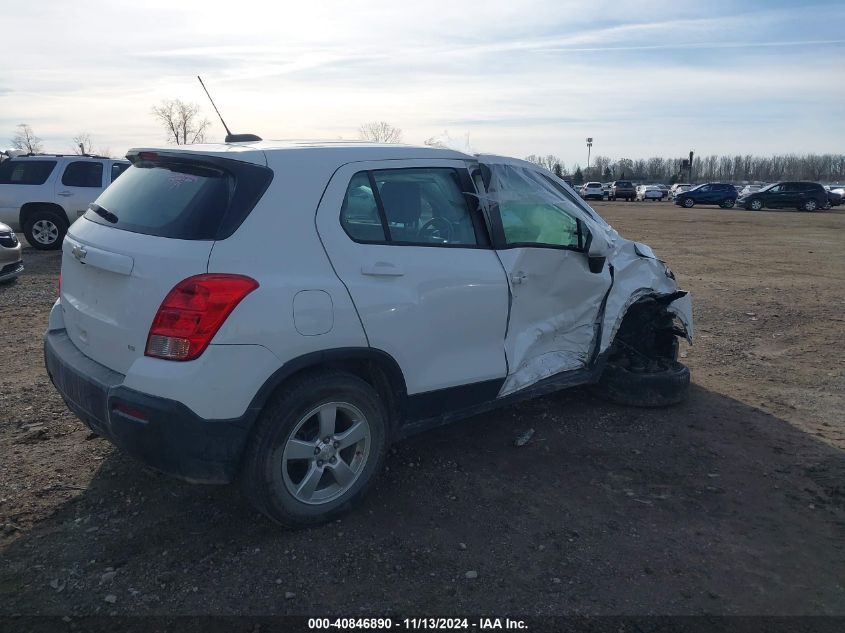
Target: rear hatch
(152, 228)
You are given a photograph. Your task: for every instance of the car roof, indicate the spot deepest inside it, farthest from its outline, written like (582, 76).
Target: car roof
(335, 151)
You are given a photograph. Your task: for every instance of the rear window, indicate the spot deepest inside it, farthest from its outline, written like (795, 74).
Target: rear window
(181, 198)
(26, 172)
(623, 183)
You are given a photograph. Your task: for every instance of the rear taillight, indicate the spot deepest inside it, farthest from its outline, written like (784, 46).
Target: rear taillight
(192, 312)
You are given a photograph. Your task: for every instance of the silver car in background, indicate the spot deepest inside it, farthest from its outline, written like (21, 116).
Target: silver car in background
(11, 262)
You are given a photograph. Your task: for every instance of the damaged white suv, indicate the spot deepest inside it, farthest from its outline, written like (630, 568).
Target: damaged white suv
(279, 313)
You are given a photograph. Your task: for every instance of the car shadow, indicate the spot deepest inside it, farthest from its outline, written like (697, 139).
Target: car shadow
(707, 507)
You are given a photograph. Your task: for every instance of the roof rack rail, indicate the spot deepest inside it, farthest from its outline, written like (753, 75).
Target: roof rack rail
(64, 155)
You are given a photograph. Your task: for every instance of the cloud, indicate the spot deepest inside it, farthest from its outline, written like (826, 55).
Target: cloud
(522, 78)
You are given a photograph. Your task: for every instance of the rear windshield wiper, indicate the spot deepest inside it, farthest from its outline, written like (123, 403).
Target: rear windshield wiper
(103, 213)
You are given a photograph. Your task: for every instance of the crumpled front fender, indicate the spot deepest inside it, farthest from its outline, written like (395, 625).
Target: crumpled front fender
(682, 308)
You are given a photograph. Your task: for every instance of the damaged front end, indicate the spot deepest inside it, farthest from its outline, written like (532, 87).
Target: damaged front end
(647, 338)
(646, 315)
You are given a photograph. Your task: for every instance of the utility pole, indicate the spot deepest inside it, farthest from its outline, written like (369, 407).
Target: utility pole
(690, 166)
(589, 146)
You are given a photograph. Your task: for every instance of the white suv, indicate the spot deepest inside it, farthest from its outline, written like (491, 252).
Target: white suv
(42, 194)
(281, 312)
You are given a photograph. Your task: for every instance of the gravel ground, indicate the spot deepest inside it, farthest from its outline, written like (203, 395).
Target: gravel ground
(732, 503)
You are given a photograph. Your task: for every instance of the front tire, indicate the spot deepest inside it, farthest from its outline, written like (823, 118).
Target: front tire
(644, 389)
(45, 230)
(688, 203)
(755, 205)
(316, 449)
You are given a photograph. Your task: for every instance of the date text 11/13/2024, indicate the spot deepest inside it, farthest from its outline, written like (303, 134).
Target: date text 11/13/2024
(460, 624)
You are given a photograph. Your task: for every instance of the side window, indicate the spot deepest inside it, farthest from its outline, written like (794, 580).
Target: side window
(117, 169)
(83, 174)
(704, 188)
(425, 206)
(776, 189)
(359, 214)
(538, 224)
(26, 172)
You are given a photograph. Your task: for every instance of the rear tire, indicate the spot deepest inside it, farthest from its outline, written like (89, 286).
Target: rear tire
(809, 205)
(289, 439)
(45, 230)
(728, 203)
(634, 389)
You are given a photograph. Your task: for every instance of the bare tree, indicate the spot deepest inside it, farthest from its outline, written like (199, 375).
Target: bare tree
(26, 140)
(380, 132)
(82, 144)
(181, 121)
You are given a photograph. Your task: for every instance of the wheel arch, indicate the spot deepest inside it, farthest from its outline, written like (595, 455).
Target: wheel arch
(30, 208)
(650, 300)
(375, 367)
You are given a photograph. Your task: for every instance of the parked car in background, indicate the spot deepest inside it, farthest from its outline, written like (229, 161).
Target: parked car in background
(664, 189)
(11, 262)
(649, 192)
(677, 188)
(801, 195)
(840, 189)
(210, 328)
(605, 187)
(834, 198)
(719, 193)
(591, 190)
(6, 154)
(749, 189)
(623, 190)
(41, 195)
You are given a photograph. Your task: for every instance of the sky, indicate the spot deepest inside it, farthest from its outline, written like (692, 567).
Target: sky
(643, 78)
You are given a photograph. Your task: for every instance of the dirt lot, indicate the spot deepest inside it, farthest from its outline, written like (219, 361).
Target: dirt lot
(732, 503)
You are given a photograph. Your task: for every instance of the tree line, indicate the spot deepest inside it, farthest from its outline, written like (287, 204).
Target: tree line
(183, 123)
(736, 168)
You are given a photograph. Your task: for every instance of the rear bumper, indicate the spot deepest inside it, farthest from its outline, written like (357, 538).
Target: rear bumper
(162, 433)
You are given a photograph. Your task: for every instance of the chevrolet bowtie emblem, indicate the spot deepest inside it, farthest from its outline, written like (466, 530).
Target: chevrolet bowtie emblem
(79, 252)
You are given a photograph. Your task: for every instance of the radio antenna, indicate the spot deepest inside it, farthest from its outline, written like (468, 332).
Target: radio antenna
(230, 138)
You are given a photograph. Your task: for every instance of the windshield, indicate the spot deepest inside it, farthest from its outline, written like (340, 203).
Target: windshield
(510, 183)
(767, 187)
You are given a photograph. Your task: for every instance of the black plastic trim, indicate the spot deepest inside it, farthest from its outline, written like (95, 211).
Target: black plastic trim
(435, 403)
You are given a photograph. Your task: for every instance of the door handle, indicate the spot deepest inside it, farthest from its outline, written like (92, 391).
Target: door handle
(518, 277)
(65, 193)
(382, 269)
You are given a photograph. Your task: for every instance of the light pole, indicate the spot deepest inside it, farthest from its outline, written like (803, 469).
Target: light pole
(589, 146)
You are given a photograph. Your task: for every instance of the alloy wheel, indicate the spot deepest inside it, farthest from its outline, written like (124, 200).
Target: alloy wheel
(45, 232)
(326, 453)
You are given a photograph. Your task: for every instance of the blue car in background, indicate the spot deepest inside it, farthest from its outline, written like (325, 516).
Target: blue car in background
(720, 193)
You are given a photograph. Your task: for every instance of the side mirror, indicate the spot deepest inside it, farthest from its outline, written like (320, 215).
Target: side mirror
(597, 248)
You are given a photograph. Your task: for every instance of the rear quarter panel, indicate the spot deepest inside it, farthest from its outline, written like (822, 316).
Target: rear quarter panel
(279, 247)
